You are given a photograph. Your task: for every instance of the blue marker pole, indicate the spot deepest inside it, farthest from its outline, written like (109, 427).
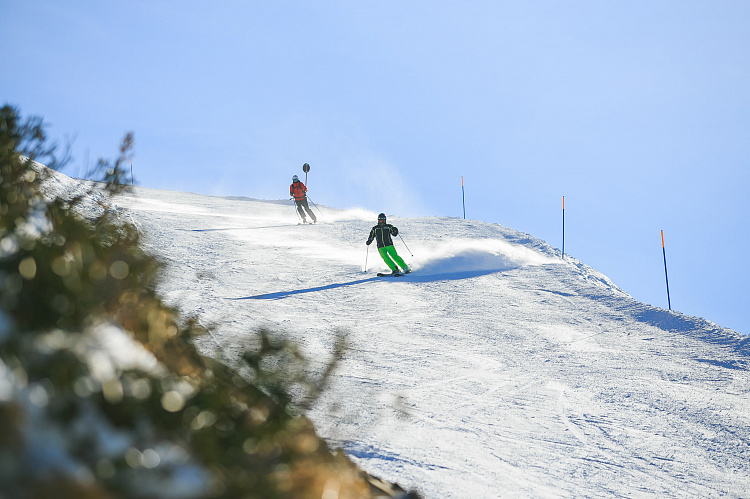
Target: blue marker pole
(664, 252)
(463, 196)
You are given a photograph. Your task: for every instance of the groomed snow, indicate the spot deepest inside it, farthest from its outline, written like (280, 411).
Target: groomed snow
(496, 369)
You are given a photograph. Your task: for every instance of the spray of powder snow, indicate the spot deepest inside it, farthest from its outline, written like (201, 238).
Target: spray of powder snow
(445, 257)
(350, 214)
(474, 255)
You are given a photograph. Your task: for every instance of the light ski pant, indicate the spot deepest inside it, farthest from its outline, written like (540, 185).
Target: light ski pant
(388, 253)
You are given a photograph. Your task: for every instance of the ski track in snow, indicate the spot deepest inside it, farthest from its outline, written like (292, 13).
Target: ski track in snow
(496, 369)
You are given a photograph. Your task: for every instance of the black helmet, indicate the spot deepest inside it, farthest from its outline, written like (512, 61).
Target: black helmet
(381, 217)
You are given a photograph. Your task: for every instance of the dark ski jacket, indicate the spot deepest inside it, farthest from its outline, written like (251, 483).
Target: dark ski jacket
(383, 233)
(298, 190)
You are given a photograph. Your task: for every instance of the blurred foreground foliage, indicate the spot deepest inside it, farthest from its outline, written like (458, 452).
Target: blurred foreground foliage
(102, 392)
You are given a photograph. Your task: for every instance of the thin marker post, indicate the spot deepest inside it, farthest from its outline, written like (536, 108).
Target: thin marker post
(463, 196)
(132, 181)
(563, 248)
(666, 276)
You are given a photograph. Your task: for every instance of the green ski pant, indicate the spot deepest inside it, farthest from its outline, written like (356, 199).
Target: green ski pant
(388, 253)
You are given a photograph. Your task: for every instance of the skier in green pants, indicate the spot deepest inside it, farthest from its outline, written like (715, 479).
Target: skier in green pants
(382, 233)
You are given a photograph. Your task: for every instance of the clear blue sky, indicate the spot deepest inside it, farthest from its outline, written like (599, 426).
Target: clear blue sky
(638, 112)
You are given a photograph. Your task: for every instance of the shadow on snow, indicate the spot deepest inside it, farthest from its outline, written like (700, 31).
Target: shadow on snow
(237, 228)
(695, 327)
(451, 276)
(370, 452)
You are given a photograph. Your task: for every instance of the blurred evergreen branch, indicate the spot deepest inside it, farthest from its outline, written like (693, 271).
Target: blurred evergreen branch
(102, 391)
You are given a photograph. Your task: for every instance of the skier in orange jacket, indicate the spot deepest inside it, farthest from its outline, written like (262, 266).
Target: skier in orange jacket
(299, 192)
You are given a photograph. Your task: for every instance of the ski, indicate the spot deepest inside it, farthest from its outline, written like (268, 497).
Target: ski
(395, 274)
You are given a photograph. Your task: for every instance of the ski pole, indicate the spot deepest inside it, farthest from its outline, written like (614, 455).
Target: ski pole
(315, 205)
(407, 248)
(366, 255)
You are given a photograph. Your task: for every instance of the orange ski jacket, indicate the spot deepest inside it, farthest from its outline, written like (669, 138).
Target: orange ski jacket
(298, 190)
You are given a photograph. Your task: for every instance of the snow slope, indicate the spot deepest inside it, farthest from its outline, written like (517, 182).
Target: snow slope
(496, 369)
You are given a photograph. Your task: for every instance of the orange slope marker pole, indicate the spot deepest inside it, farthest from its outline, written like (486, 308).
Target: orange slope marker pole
(666, 276)
(563, 247)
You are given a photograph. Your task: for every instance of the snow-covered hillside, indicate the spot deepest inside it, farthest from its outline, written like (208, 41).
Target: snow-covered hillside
(496, 369)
